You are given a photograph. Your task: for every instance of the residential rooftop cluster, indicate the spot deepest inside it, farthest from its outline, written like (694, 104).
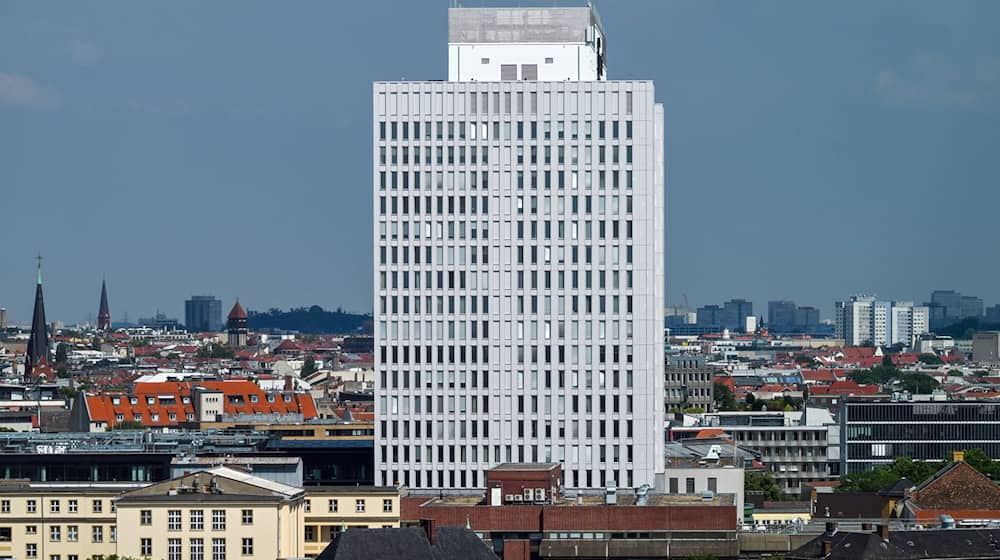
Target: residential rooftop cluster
(523, 393)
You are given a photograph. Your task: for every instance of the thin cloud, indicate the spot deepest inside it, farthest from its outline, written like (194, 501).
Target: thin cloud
(17, 90)
(167, 108)
(932, 81)
(83, 53)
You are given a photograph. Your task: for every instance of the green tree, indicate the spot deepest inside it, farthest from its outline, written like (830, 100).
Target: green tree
(217, 351)
(979, 460)
(62, 350)
(723, 396)
(955, 373)
(763, 483)
(887, 361)
(867, 481)
(918, 383)
(308, 367)
(128, 425)
(931, 359)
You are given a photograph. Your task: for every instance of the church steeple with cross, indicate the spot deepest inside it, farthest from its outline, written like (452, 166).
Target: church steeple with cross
(36, 360)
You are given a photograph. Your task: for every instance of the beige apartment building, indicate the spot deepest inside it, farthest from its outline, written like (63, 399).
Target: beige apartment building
(58, 521)
(330, 509)
(216, 514)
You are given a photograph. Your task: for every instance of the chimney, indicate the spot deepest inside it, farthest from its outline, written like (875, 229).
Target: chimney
(883, 531)
(827, 548)
(958, 456)
(831, 528)
(289, 386)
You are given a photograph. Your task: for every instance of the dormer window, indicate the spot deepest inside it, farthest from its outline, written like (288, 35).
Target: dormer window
(116, 401)
(137, 417)
(134, 400)
(288, 398)
(270, 398)
(253, 398)
(150, 401)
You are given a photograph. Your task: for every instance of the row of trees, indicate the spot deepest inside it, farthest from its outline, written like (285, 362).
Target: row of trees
(887, 372)
(726, 401)
(916, 471)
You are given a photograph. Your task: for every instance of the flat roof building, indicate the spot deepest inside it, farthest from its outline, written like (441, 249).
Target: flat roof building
(518, 268)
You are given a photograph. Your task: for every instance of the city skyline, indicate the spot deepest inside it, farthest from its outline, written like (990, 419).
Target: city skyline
(894, 114)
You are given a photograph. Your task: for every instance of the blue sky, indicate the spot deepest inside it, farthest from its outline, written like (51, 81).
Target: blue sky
(814, 149)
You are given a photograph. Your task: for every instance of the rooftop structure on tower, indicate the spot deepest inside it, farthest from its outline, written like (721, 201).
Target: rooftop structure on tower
(36, 360)
(104, 314)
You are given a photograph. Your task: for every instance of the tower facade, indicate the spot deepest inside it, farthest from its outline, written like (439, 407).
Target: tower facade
(36, 360)
(203, 314)
(519, 266)
(237, 326)
(104, 312)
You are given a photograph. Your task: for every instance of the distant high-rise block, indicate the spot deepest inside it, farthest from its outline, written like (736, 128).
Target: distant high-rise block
(519, 260)
(203, 314)
(780, 316)
(863, 320)
(735, 313)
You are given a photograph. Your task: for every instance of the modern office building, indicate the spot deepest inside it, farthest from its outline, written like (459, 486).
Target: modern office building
(949, 306)
(797, 447)
(986, 347)
(780, 315)
(688, 383)
(992, 314)
(735, 313)
(203, 314)
(709, 317)
(875, 432)
(518, 235)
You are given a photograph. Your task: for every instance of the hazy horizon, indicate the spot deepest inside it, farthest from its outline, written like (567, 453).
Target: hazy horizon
(813, 150)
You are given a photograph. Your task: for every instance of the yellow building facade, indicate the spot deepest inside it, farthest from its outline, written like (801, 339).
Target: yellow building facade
(331, 509)
(58, 521)
(216, 514)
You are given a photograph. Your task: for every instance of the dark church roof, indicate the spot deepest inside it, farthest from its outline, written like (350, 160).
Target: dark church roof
(951, 544)
(104, 312)
(38, 342)
(452, 543)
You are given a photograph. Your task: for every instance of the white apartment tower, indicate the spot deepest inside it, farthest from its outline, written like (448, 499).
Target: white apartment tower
(864, 320)
(518, 215)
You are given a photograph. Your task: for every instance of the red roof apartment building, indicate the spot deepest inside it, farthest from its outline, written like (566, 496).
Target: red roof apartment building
(167, 405)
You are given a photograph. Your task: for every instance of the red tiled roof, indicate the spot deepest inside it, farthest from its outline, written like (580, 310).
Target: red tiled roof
(844, 388)
(237, 312)
(823, 375)
(239, 397)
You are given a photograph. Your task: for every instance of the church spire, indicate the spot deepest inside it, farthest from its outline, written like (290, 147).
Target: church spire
(36, 361)
(104, 314)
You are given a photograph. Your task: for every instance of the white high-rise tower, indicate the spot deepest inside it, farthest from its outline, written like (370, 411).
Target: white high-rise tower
(519, 259)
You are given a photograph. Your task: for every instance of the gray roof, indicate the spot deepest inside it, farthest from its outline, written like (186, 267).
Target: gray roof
(905, 545)
(453, 543)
